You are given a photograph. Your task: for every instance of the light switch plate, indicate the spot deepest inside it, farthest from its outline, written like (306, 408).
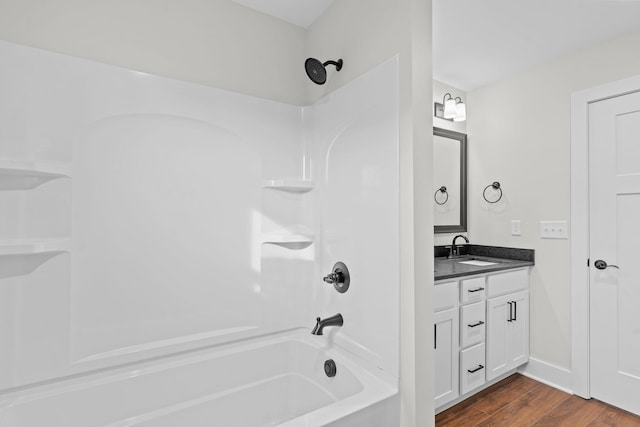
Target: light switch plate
(516, 227)
(554, 230)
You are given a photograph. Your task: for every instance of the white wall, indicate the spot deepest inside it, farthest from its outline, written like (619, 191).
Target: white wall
(365, 34)
(526, 148)
(213, 42)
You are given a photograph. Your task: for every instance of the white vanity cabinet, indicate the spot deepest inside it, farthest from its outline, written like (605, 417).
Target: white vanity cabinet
(481, 326)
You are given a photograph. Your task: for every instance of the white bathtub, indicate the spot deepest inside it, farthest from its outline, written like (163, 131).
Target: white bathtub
(276, 381)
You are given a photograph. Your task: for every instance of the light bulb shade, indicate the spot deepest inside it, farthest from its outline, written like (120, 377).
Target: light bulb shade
(449, 109)
(461, 112)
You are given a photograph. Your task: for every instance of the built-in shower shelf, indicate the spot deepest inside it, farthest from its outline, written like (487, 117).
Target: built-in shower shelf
(289, 185)
(288, 238)
(28, 174)
(19, 257)
(33, 246)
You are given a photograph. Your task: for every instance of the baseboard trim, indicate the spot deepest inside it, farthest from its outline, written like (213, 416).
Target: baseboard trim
(548, 374)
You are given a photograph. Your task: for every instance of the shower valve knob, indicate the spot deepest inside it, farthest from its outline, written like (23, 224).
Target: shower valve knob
(339, 278)
(333, 278)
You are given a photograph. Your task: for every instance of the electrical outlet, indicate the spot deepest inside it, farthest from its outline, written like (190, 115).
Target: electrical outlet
(554, 230)
(516, 227)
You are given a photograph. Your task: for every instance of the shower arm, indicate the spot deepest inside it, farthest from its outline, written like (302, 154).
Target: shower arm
(337, 63)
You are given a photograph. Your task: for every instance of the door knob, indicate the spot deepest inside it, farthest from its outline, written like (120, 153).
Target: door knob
(601, 265)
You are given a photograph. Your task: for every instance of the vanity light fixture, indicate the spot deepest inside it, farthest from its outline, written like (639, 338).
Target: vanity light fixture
(451, 108)
(461, 111)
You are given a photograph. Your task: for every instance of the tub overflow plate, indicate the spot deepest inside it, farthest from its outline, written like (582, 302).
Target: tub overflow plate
(330, 368)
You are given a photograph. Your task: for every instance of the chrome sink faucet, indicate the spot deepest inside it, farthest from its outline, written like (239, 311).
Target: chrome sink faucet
(335, 320)
(455, 251)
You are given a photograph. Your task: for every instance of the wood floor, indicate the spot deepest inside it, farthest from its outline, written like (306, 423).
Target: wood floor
(521, 401)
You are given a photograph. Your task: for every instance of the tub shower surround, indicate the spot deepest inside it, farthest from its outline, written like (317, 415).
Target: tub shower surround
(150, 228)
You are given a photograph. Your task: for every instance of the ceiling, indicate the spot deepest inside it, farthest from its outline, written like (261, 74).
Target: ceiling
(298, 12)
(477, 42)
(480, 41)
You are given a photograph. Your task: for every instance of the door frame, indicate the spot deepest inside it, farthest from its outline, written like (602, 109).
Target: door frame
(580, 317)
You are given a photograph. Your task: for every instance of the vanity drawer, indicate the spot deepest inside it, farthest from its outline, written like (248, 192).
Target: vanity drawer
(472, 368)
(472, 324)
(472, 290)
(446, 295)
(506, 283)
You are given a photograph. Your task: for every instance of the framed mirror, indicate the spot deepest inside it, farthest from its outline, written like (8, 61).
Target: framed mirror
(449, 180)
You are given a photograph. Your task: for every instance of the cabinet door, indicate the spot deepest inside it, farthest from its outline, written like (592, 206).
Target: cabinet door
(497, 320)
(518, 335)
(507, 333)
(446, 356)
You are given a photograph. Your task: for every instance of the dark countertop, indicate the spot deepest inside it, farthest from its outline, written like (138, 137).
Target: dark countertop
(504, 258)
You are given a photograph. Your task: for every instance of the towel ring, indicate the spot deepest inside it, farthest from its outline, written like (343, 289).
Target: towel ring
(496, 186)
(442, 189)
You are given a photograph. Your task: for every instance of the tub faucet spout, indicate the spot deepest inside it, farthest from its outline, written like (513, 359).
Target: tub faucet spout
(335, 320)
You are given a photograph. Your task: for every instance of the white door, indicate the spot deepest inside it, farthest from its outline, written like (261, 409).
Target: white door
(614, 198)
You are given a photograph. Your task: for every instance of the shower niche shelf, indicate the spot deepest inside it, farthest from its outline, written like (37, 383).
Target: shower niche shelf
(289, 185)
(20, 257)
(28, 174)
(293, 239)
(33, 246)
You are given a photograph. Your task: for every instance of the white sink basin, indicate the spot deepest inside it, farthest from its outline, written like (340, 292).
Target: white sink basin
(478, 263)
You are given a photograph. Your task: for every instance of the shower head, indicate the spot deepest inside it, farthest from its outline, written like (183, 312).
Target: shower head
(316, 70)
